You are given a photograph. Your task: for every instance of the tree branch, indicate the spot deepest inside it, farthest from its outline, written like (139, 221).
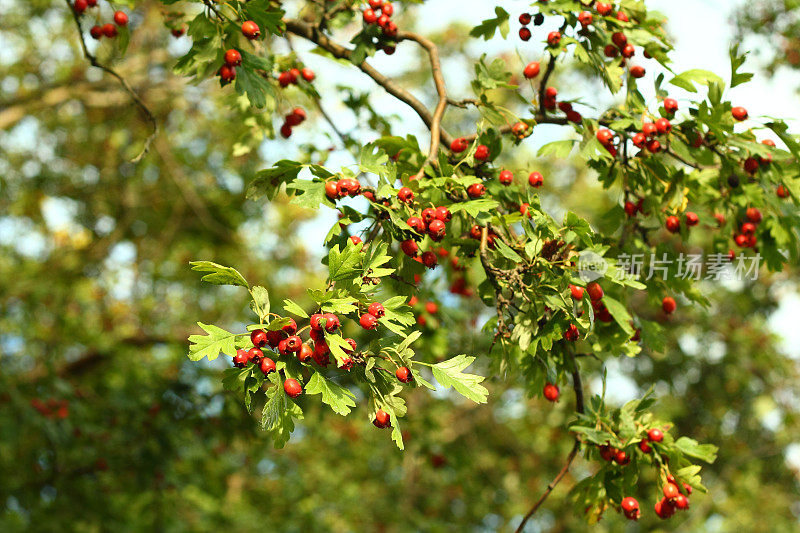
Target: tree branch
(135, 97)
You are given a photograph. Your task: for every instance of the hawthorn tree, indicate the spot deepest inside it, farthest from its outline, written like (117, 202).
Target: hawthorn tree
(450, 216)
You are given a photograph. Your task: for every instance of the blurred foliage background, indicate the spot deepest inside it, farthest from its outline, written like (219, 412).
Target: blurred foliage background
(106, 425)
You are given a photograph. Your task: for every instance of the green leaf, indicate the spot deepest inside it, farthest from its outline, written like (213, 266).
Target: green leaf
(290, 307)
(619, 313)
(210, 346)
(373, 159)
(344, 264)
(261, 300)
(506, 251)
(557, 149)
(337, 397)
(690, 447)
(251, 80)
(737, 78)
(449, 374)
(233, 378)
(311, 193)
(488, 27)
(686, 80)
(220, 275)
(279, 413)
(263, 13)
(268, 182)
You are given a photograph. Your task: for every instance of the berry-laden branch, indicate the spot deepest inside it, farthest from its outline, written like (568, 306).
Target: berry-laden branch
(125, 85)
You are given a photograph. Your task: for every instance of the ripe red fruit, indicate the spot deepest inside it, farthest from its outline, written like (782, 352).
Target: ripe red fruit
(753, 214)
(428, 215)
(531, 70)
(331, 322)
(782, 192)
(739, 113)
(308, 74)
(405, 194)
(523, 209)
(654, 146)
(458, 145)
(691, 218)
(550, 92)
(375, 4)
(387, 9)
(595, 291)
(382, 419)
(305, 353)
(621, 458)
(673, 224)
(649, 129)
(383, 21)
(577, 292)
(628, 51)
(535, 179)
(525, 34)
(109, 30)
(585, 18)
(293, 344)
(376, 309)
(572, 333)
(431, 307)
(416, 224)
(610, 51)
(619, 39)
(551, 392)
(292, 388)
(663, 126)
(436, 230)
(630, 507)
(638, 71)
(267, 365)
(443, 214)
(605, 136)
(96, 32)
(429, 259)
(506, 177)
(748, 228)
(664, 509)
(404, 374)
(670, 105)
(120, 18)
(670, 491)
(476, 190)
(668, 304)
(91, 3)
(639, 139)
(233, 58)
(603, 8)
(258, 337)
(80, 6)
(630, 208)
(481, 152)
(369, 16)
(645, 447)
(553, 38)
(250, 29)
(525, 19)
(241, 358)
(331, 190)
(227, 74)
(608, 452)
(409, 248)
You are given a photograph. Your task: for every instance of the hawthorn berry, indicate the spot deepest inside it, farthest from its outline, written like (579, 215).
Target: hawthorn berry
(233, 58)
(481, 152)
(551, 392)
(639, 139)
(630, 208)
(605, 136)
(409, 247)
(531, 70)
(535, 179)
(255, 355)
(538, 19)
(668, 304)
(523, 209)
(782, 191)
(630, 507)
(670, 105)
(610, 51)
(670, 491)
(294, 344)
(748, 228)
(443, 214)
(525, 19)
(673, 224)
(506, 177)
(416, 223)
(691, 218)
(382, 419)
(628, 51)
(649, 129)
(572, 333)
(376, 309)
(375, 4)
(241, 358)
(283, 347)
(603, 8)
(739, 113)
(476, 190)
(681, 502)
(645, 447)
(308, 74)
(267, 365)
(355, 239)
(585, 18)
(120, 18)
(458, 145)
(608, 452)
(619, 39)
(475, 232)
(404, 374)
(227, 74)
(553, 38)
(621, 458)
(305, 353)
(109, 30)
(405, 195)
(429, 259)
(80, 6)
(595, 291)
(664, 508)
(576, 291)
(96, 32)
(436, 230)
(250, 29)
(428, 215)
(622, 17)
(753, 214)
(638, 71)
(663, 126)
(525, 34)
(292, 388)
(331, 322)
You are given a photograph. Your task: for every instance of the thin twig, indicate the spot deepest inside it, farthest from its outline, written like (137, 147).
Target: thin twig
(135, 97)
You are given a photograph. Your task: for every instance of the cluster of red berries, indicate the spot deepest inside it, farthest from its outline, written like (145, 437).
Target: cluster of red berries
(383, 21)
(428, 309)
(596, 294)
(632, 208)
(106, 30)
(673, 222)
(52, 408)
(532, 70)
(227, 72)
(475, 233)
(335, 189)
(292, 76)
(746, 238)
(295, 118)
(481, 151)
(673, 499)
(525, 19)
(431, 221)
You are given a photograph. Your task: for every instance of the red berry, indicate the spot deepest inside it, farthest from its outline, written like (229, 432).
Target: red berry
(670, 491)
(551, 392)
(250, 29)
(639, 139)
(241, 358)
(227, 74)
(331, 191)
(525, 34)
(383, 20)
(525, 19)
(621, 458)
(603, 8)
(670, 105)
(663, 126)
(628, 51)
(673, 224)
(387, 9)
(436, 230)
(80, 6)
(577, 292)
(481, 152)
(595, 291)
(404, 374)
(535, 179)
(610, 50)
(409, 248)
(523, 209)
(376, 309)
(443, 214)
(664, 509)
(585, 18)
(506, 177)
(375, 4)
(551, 92)
(431, 307)
(619, 39)
(739, 113)
(753, 214)
(668, 305)
(630, 208)
(331, 322)
(691, 218)
(645, 447)
(109, 30)
(637, 71)
(382, 419)
(305, 353)
(233, 57)
(405, 195)
(120, 18)
(531, 70)
(630, 507)
(267, 365)
(782, 191)
(416, 223)
(622, 17)
(681, 502)
(308, 74)
(96, 32)
(608, 452)
(428, 215)
(553, 38)
(258, 337)
(605, 136)
(292, 388)
(458, 145)
(476, 190)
